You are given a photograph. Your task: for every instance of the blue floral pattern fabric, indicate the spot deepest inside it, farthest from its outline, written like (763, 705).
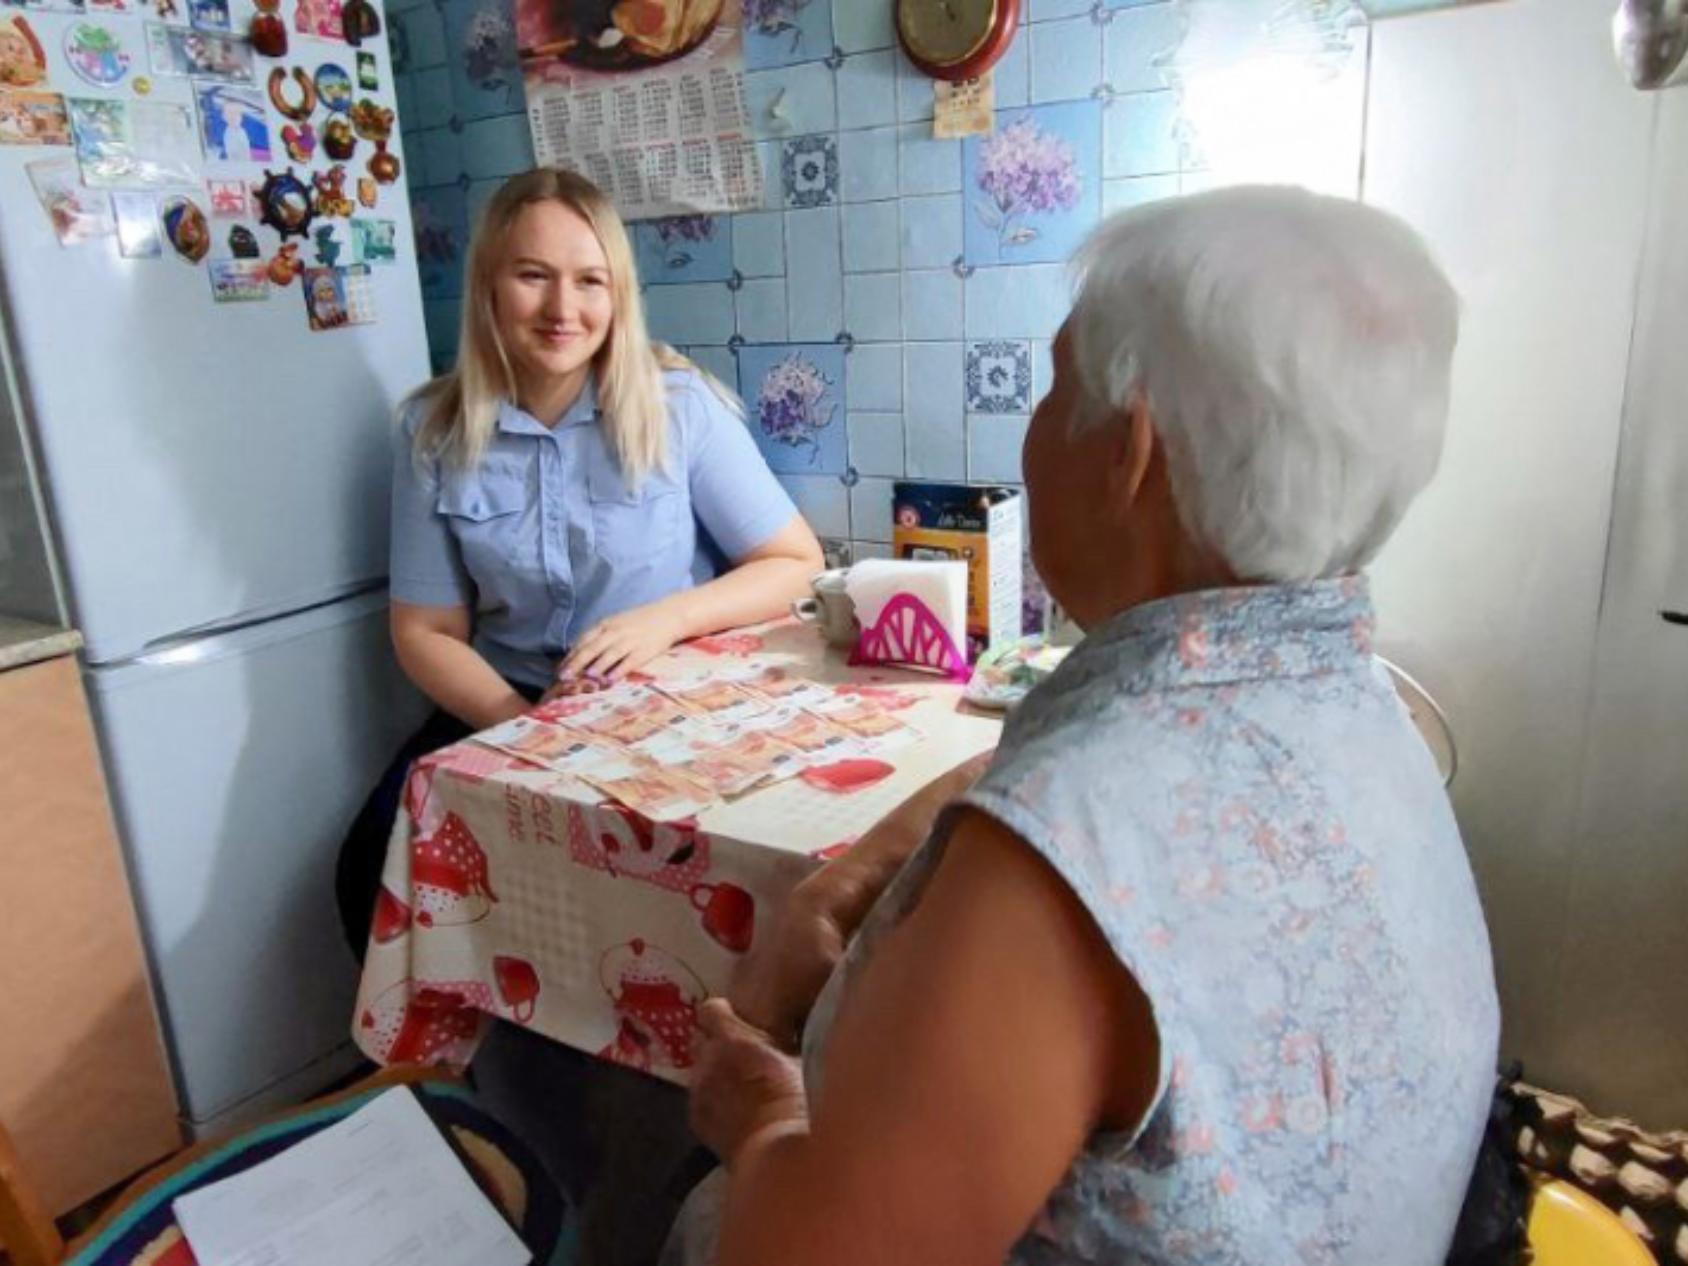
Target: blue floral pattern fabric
(1229, 783)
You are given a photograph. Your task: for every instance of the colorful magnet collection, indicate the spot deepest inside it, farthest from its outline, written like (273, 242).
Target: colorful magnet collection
(171, 125)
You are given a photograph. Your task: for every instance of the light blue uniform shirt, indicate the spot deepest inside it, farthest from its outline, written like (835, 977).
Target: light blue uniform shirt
(544, 538)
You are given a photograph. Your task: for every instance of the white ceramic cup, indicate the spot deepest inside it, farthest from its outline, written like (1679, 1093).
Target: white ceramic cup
(830, 608)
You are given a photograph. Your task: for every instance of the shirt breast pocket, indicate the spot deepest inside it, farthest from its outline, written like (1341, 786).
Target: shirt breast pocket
(634, 529)
(491, 515)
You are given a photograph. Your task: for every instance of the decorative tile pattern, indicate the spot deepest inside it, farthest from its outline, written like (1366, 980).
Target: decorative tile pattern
(809, 171)
(785, 32)
(999, 376)
(486, 77)
(794, 401)
(1033, 188)
(683, 248)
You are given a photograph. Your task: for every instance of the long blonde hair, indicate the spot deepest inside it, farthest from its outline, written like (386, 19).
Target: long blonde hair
(462, 405)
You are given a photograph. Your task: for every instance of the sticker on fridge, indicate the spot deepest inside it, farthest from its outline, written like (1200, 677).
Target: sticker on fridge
(229, 199)
(77, 214)
(185, 228)
(23, 62)
(209, 15)
(369, 79)
(134, 144)
(338, 297)
(138, 236)
(233, 124)
(322, 18)
(96, 54)
(374, 241)
(239, 281)
(176, 53)
(33, 118)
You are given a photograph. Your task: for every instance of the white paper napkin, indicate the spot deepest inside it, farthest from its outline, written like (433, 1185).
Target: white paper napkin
(912, 613)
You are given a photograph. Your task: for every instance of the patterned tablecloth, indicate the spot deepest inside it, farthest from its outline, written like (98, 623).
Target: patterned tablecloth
(513, 891)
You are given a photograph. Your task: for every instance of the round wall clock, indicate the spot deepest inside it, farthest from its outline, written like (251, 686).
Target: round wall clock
(956, 39)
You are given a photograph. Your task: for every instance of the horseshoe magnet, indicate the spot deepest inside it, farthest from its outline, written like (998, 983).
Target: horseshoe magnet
(301, 109)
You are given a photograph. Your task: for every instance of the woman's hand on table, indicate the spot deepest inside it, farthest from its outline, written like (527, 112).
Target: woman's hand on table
(777, 984)
(742, 1084)
(622, 644)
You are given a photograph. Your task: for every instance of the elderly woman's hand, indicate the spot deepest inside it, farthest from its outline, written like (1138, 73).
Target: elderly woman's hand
(778, 983)
(742, 1084)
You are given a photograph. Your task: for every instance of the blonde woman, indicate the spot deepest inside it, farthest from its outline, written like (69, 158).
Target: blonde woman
(564, 496)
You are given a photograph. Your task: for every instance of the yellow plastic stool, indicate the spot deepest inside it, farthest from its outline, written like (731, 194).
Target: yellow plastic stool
(1569, 1227)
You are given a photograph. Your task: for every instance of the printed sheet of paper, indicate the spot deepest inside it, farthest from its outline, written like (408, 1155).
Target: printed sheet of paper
(963, 108)
(378, 1188)
(656, 117)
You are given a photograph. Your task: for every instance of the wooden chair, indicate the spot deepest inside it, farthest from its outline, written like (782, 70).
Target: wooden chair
(505, 1169)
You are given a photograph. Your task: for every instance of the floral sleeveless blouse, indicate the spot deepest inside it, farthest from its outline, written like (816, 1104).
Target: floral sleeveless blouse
(1229, 783)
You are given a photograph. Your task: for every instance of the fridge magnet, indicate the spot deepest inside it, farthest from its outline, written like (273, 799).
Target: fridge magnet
(374, 241)
(369, 193)
(142, 86)
(338, 297)
(359, 22)
(321, 18)
(284, 203)
(137, 225)
(96, 54)
(243, 242)
(101, 6)
(166, 10)
(228, 199)
(296, 107)
(185, 227)
(327, 246)
(268, 31)
(209, 15)
(77, 214)
(300, 141)
(372, 120)
(338, 140)
(174, 52)
(334, 87)
(134, 144)
(232, 124)
(23, 62)
(284, 265)
(33, 118)
(239, 281)
(369, 79)
(330, 186)
(382, 165)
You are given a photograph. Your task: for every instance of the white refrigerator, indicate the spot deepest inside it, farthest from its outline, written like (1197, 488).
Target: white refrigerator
(201, 488)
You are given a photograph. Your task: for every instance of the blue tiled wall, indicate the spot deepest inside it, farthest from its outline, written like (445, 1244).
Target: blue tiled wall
(912, 285)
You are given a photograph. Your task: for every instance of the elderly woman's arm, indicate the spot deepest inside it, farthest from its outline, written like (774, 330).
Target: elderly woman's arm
(779, 981)
(989, 1035)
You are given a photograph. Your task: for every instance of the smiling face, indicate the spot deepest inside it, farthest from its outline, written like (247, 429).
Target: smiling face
(551, 297)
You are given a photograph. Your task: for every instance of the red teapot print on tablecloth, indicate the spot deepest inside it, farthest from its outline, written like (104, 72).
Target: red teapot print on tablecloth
(449, 880)
(654, 997)
(432, 1022)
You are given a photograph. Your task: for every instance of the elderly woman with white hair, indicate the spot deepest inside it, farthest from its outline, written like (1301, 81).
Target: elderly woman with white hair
(1195, 972)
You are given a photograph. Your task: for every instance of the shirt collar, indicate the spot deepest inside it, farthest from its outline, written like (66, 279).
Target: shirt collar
(513, 420)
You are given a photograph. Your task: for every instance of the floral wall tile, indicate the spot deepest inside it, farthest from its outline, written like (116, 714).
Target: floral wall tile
(1033, 187)
(784, 32)
(999, 376)
(809, 171)
(486, 77)
(681, 248)
(794, 401)
(441, 221)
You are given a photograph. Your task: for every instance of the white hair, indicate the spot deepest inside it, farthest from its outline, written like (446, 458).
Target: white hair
(1294, 353)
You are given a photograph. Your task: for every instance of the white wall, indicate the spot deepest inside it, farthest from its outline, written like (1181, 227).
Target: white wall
(1506, 134)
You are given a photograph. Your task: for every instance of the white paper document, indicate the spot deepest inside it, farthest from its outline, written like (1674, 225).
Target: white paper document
(381, 1188)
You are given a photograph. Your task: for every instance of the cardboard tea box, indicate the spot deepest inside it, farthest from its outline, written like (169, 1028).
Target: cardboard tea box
(984, 527)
